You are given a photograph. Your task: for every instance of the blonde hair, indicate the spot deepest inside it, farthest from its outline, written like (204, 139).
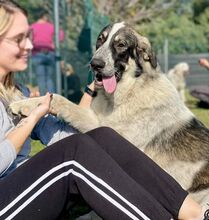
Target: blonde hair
(7, 11)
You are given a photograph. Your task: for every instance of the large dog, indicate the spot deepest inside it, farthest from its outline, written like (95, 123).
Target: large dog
(139, 102)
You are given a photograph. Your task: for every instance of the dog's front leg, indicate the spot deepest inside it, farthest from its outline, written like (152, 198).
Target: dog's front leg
(84, 119)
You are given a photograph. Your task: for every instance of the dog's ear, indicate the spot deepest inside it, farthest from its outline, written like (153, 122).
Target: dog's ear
(147, 55)
(152, 58)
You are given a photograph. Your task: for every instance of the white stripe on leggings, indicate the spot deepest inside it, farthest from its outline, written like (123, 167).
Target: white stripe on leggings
(9, 206)
(115, 203)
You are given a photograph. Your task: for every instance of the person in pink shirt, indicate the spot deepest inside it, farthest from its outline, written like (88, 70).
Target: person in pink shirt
(43, 54)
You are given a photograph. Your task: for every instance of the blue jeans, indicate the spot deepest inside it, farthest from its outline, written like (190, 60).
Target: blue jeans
(43, 64)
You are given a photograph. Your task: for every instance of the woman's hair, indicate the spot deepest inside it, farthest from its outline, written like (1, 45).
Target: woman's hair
(7, 11)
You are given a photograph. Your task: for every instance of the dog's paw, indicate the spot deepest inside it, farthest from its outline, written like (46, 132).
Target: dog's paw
(20, 108)
(24, 107)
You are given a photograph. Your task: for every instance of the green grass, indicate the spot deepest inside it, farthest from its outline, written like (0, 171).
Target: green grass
(201, 113)
(36, 147)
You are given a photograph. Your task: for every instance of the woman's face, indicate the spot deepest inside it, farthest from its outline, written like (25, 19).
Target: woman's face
(15, 46)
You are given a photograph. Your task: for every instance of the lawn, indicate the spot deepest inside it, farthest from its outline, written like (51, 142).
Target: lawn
(201, 113)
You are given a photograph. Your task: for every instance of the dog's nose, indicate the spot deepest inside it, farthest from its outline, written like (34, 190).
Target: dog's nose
(97, 64)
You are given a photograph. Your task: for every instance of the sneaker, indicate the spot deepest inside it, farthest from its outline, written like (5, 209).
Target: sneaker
(206, 215)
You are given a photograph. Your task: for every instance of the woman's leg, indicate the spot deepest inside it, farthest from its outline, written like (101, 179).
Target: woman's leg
(41, 188)
(144, 171)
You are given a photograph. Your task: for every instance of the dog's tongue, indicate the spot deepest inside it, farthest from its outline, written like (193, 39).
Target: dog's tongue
(109, 84)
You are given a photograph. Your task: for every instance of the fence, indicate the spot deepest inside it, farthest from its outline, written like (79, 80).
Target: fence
(78, 60)
(198, 74)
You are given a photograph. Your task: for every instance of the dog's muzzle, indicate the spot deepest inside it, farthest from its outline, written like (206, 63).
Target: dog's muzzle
(97, 64)
(109, 83)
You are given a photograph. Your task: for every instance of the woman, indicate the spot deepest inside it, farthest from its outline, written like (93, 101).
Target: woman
(115, 179)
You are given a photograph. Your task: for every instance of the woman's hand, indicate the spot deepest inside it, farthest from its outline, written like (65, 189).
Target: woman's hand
(204, 62)
(43, 108)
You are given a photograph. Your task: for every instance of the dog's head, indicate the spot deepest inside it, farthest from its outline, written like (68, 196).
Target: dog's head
(115, 46)
(182, 69)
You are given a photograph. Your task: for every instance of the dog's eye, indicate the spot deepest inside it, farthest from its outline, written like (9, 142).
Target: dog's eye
(121, 45)
(100, 41)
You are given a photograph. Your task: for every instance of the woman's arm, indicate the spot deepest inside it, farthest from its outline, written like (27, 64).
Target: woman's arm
(22, 131)
(24, 128)
(204, 62)
(87, 98)
(50, 129)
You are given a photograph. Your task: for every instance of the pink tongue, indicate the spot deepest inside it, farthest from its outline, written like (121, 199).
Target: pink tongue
(109, 84)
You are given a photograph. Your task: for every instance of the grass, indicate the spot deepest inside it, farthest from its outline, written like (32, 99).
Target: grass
(36, 147)
(201, 114)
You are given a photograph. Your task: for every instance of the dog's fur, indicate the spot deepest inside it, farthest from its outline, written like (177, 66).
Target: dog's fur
(177, 75)
(145, 108)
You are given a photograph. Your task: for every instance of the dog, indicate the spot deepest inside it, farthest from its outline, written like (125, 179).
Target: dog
(137, 100)
(177, 76)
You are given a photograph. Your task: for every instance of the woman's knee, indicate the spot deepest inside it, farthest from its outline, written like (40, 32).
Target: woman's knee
(77, 143)
(102, 131)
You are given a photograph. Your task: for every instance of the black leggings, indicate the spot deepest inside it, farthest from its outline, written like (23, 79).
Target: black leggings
(115, 179)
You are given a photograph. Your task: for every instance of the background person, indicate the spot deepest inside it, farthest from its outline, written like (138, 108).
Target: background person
(43, 54)
(74, 91)
(204, 62)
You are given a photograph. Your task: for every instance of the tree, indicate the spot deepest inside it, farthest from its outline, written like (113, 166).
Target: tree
(184, 23)
(199, 7)
(203, 20)
(161, 19)
(134, 11)
(183, 34)
(34, 6)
